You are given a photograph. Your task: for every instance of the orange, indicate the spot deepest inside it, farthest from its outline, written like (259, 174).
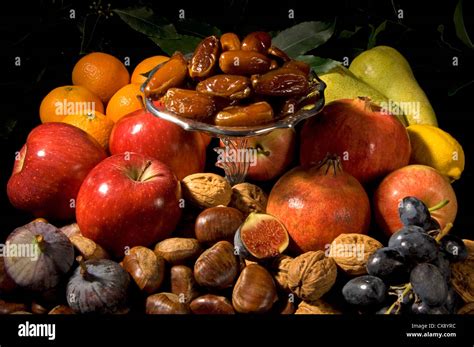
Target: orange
(95, 124)
(124, 102)
(66, 100)
(146, 66)
(101, 73)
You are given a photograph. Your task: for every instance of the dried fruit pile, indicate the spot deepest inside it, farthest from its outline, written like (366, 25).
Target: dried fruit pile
(229, 83)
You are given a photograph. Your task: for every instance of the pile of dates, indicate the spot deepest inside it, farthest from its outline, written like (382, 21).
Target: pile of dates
(231, 83)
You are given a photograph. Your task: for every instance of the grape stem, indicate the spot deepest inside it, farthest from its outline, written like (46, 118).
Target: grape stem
(400, 298)
(439, 205)
(444, 232)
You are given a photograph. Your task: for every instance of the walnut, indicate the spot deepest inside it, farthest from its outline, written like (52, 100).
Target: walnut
(311, 275)
(206, 190)
(279, 269)
(248, 198)
(462, 274)
(351, 252)
(467, 309)
(316, 307)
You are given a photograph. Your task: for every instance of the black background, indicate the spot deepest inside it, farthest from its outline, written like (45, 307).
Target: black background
(49, 44)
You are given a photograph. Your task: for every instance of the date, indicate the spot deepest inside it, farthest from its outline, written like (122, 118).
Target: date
(227, 86)
(244, 62)
(259, 41)
(253, 114)
(230, 42)
(189, 103)
(298, 65)
(204, 59)
(281, 82)
(171, 74)
(278, 53)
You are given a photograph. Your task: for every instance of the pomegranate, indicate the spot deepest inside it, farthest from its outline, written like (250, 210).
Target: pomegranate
(319, 203)
(370, 142)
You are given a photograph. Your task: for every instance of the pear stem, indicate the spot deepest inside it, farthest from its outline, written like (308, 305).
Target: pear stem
(439, 205)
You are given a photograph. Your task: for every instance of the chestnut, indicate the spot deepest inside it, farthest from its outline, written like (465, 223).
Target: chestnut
(165, 303)
(10, 307)
(211, 304)
(146, 268)
(217, 267)
(183, 283)
(255, 291)
(217, 224)
(61, 309)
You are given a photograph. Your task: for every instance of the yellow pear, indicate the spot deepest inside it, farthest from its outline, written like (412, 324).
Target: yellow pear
(343, 84)
(385, 69)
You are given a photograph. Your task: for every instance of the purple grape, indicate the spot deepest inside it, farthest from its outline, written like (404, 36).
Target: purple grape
(413, 211)
(429, 284)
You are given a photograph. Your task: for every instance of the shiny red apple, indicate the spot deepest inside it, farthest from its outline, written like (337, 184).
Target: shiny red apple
(50, 168)
(370, 143)
(141, 132)
(128, 200)
(420, 181)
(274, 152)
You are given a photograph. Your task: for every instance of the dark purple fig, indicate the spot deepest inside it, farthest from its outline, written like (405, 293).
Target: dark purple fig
(37, 255)
(98, 286)
(261, 236)
(7, 284)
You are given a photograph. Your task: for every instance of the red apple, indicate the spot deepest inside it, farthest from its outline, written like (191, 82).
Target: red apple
(420, 181)
(128, 200)
(141, 132)
(274, 153)
(50, 168)
(370, 143)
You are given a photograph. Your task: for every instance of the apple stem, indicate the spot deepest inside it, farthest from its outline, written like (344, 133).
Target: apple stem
(40, 242)
(444, 232)
(147, 165)
(439, 205)
(84, 272)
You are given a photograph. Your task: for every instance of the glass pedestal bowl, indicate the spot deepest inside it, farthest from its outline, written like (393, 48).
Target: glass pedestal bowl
(235, 157)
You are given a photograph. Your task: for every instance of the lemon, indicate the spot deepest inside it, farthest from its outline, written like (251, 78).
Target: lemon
(434, 147)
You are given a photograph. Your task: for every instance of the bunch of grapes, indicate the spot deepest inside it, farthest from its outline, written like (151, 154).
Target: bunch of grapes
(415, 267)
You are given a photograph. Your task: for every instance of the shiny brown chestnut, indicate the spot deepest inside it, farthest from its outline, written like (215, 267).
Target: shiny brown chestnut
(146, 268)
(166, 303)
(217, 224)
(178, 250)
(212, 304)
(183, 283)
(255, 291)
(217, 267)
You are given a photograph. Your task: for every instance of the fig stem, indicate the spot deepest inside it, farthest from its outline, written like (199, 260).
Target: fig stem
(147, 165)
(444, 232)
(40, 242)
(439, 205)
(399, 299)
(84, 273)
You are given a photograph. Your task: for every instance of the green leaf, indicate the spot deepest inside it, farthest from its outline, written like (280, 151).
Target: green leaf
(318, 64)
(347, 34)
(461, 31)
(6, 127)
(143, 20)
(184, 43)
(303, 37)
(452, 91)
(374, 33)
(197, 28)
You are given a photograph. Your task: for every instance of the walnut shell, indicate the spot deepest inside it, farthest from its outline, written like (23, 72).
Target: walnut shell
(316, 307)
(279, 269)
(248, 198)
(462, 274)
(351, 252)
(311, 275)
(206, 190)
(467, 309)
